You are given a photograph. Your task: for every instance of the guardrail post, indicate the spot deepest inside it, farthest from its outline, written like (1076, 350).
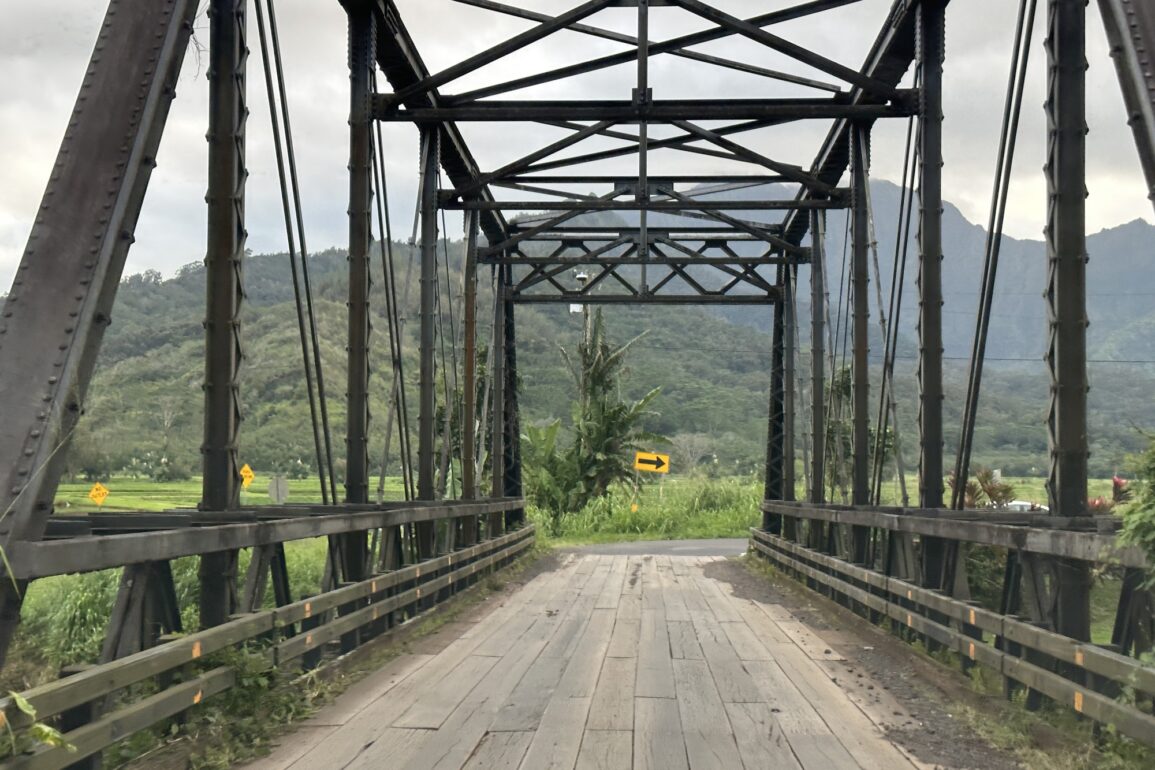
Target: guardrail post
(79, 716)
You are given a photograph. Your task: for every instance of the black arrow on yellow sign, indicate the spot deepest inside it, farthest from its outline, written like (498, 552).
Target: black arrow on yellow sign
(652, 462)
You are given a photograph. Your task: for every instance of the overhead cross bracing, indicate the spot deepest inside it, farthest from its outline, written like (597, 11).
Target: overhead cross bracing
(637, 190)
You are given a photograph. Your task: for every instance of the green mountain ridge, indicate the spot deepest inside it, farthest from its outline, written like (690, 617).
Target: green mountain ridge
(712, 364)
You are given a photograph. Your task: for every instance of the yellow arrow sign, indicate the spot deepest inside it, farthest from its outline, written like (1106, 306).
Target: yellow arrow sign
(98, 493)
(652, 462)
(247, 475)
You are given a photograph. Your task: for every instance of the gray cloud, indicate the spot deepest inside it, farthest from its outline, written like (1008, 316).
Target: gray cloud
(44, 47)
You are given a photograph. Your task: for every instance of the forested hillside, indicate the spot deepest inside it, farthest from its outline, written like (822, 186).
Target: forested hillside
(712, 365)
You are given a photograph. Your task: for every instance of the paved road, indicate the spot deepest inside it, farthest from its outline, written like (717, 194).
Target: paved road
(723, 547)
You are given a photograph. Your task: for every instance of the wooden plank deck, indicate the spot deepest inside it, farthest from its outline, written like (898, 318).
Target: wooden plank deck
(623, 662)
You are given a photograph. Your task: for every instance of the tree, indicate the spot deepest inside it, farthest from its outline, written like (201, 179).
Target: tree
(690, 449)
(607, 430)
(985, 490)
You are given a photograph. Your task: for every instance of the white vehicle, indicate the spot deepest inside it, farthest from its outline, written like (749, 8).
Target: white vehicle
(1025, 506)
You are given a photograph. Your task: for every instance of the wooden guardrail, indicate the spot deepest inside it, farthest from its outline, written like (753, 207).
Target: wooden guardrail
(1085, 677)
(286, 635)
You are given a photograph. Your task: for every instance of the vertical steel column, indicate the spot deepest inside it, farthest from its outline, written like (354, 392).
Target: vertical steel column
(362, 51)
(774, 487)
(427, 385)
(469, 418)
(220, 487)
(469, 375)
(818, 356)
(931, 47)
(860, 281)
(498, 379)
(1066, 296)
(512, 465)
(788, 381)
(642, 97)
(362, 56)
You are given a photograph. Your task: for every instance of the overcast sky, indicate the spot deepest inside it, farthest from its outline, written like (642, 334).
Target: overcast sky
(44, 47)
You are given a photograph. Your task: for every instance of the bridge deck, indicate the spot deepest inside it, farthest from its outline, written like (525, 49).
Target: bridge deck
(607, 662)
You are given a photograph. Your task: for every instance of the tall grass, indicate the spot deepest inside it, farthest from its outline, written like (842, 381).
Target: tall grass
(65, 618)
(674, 509)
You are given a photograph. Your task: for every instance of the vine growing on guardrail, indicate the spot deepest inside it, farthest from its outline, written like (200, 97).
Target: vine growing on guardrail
(33, 735)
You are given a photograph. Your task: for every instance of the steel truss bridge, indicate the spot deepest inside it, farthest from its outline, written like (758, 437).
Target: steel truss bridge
(612, 198)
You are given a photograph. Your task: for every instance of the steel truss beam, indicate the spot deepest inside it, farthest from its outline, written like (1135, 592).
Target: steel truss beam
(53, 321)
(777, 110)
(1131, 32)
(454, 204)
(673, 45)
(889, 59)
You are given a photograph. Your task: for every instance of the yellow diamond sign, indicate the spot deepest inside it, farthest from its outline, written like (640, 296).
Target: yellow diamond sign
(247, 475)
(98, 493)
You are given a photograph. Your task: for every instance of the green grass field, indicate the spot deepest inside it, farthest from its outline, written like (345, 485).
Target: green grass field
(1031, 488)
(128, 494)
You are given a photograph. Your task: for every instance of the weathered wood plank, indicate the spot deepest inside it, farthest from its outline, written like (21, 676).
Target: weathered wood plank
(613, 704)
(291, 747)
(633, 584)
(581, 675)
(673, 591)
(624, 640)
(525, 706)
(439, 701)
(557, 741)
(606, 750)
(359, 696)
(761, 741)
(730, 676)
(717, 600)
(765, 628)
(683, 640)
(652, 598)
(793, 712)
(500, 751)
(878, 704)
(655, 674)
(823, 752)
(658, 740)
(611, 593)
(863, 740)
(746, 644)
(705, 726)
(809, 642)
(400, 744)
(464, 729)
